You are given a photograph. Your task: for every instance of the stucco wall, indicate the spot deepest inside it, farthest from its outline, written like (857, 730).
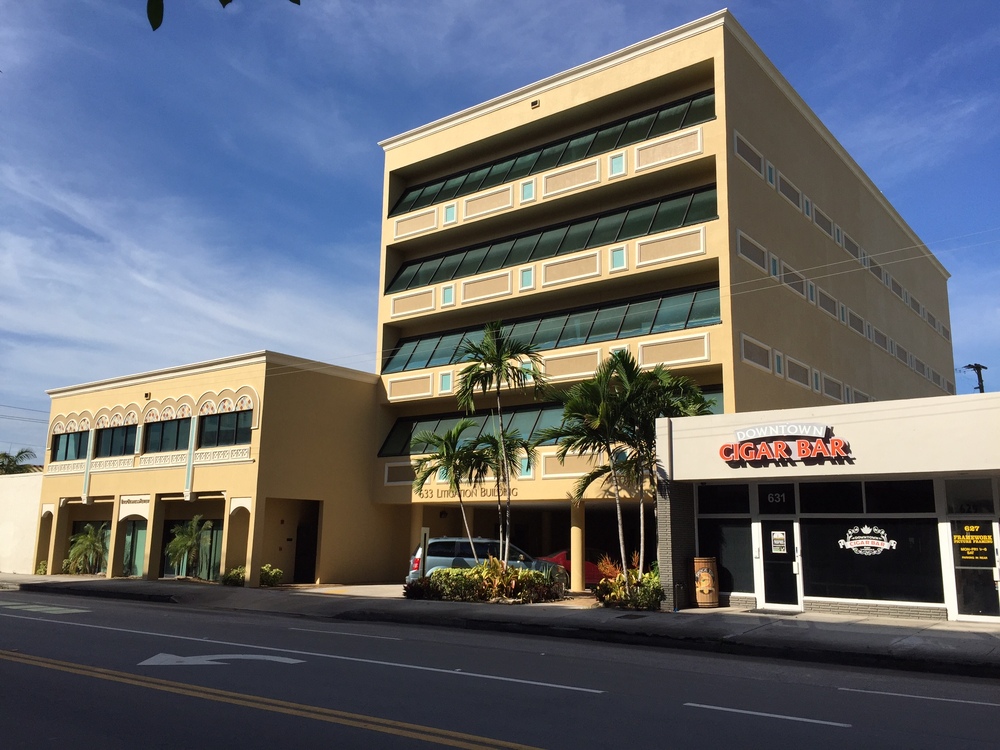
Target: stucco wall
(19, 497)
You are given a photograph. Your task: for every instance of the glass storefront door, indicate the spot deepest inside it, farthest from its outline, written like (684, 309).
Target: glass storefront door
(135, 548)
(781, 585)
(974, 549)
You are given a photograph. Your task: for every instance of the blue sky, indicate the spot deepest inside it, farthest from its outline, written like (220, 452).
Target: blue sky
(214, 188)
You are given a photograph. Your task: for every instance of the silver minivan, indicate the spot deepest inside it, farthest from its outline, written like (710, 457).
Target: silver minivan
(456, 552)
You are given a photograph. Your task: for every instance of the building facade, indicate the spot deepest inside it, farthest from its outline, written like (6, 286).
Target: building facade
(886, 508)
(273, 450)
(676, 198)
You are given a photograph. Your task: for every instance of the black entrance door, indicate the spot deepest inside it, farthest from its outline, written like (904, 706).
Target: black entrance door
(780, 585)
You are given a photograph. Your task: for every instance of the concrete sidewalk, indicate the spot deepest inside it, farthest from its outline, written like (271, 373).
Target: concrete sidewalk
(965, 648)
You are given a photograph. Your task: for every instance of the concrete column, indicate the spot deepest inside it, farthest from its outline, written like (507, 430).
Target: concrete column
(116, 547)
(152, 562)
(59, 540)
(255, 541)
(577, 546)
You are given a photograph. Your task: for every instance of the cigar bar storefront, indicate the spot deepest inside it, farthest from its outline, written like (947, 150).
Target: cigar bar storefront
(883, 508)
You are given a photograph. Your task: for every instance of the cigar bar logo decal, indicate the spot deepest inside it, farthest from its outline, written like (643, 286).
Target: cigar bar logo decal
(786, 444)
(867, 540)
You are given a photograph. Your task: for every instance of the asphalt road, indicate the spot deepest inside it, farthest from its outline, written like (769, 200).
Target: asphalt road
(83, 673)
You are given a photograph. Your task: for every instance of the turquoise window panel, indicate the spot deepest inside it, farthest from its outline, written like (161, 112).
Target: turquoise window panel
(618, 259)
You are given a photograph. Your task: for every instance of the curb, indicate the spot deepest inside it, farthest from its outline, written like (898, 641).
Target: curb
(55, 588)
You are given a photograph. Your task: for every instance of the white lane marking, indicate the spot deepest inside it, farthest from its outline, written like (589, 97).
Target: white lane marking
(172, 660)
(769, 716)
(354, 659)
(353, 635)
(46, 608)
(920, 697)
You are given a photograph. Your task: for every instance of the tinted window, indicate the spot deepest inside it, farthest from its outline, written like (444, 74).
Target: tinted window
(729, 541)
(830, 497)
(723, 498)
(899, 497)
(909, 571)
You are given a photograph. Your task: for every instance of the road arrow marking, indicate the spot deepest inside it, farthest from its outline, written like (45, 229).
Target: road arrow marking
(166, 660)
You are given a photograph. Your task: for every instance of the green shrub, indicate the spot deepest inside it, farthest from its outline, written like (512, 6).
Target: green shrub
(489, 581)
(536, 586)
(496, 580)
(234, 577)
(270, 576)
(458, 584)
(643, 593)
(420, 589)
(65, 565)
(43, 568)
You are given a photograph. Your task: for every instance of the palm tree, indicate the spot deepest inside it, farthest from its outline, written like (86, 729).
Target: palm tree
(503, 453)
(454, 459)
(190, 539)
(88, 549)
(648, 395)
(613, 414)
(16, 463)
(498, 361)
(593, 419)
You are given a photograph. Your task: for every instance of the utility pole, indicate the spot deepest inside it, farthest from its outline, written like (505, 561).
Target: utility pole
(979, 373)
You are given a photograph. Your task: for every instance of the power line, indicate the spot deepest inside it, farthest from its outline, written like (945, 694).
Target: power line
(13, 418)
(23, 408)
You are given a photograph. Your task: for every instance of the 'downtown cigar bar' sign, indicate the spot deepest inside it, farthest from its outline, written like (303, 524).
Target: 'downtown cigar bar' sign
(785, 444)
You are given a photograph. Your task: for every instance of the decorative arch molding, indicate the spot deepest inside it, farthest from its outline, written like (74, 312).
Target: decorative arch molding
(226, 400)
(239, 503)
(79, 421)
(117, 416)
(246, 399)
(167, 409)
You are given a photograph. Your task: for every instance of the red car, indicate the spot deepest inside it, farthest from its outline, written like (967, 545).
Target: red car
(591, 575)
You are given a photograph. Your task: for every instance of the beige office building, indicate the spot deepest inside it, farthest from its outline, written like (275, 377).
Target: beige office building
(272, 449)
(676, 198)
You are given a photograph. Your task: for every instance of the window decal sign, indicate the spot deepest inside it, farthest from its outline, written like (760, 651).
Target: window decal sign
(867, 540)
(778, 546)
(785, 444)
(972, 544)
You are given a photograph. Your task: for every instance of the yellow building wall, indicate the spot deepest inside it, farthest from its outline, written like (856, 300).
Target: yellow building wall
(766, 116)
(319, 440)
